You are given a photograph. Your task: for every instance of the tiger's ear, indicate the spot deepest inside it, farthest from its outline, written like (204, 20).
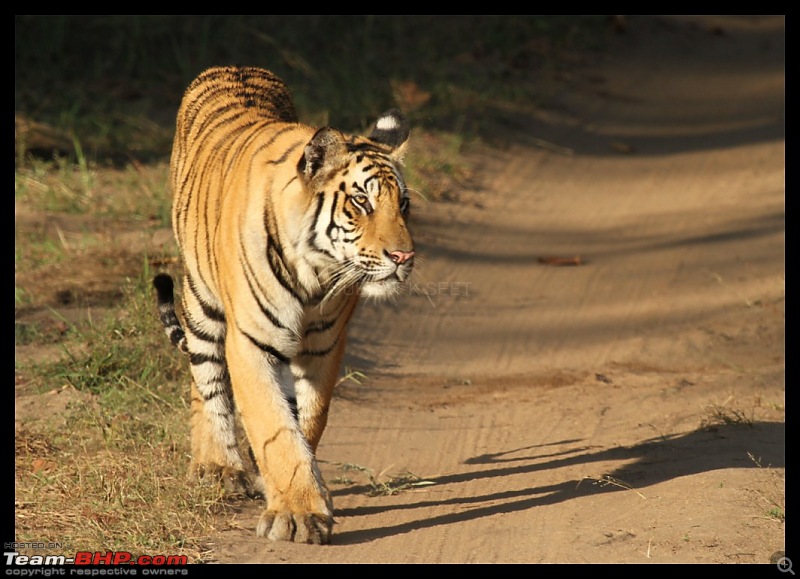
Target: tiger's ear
(323, 153)
(392, 129)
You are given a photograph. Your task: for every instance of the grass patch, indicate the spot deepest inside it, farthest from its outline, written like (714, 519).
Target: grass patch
(58, 185)
(725, 415)
(113, 476)
(777, 513)
(116, 487)
(114, 82)
(382, 484)
(127, 349)
(772, 496)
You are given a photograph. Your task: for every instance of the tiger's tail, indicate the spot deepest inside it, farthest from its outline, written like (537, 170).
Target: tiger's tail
(166, 311)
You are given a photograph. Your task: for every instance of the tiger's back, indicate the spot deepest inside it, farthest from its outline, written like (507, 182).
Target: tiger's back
(225, 95)
(281, 227)
(222, 106)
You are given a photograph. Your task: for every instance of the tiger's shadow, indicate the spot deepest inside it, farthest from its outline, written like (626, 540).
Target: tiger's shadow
(649, 462)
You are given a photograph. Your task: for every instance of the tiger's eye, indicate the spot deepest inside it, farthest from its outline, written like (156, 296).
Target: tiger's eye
(362, 201)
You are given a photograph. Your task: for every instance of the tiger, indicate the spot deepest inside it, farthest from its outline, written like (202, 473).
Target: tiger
(281, 228)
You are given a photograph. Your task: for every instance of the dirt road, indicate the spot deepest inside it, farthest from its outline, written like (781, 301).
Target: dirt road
(628, 409)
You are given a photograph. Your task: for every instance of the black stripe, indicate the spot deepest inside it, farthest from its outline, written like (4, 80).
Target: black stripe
(364, 147)
(277, 261)
(325, 325)
(267, 348)
(264, 309)
(195, 359)
(320, 203)
(312, 239)
(320, 353)
(286, 153)
(293, 406)
(352, 239)
(192, 327)
(211, 395)
(332, 222)
(220, 117)
(370, 178)
(208, 310)
(321, 326)
(313, 236)
(249, 277)
(289, 182)
(257, 130)
(282, 273)
(254, 130)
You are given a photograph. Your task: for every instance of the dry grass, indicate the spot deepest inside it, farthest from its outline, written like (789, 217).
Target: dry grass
(108, 485)
(382, 484)
(771, 495)
(726, 414)
(606, 480)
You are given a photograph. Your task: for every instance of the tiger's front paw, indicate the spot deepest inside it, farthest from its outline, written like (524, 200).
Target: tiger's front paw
(314, 528)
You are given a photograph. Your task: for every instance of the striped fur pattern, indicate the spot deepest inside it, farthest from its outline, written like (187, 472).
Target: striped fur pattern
(281, 227)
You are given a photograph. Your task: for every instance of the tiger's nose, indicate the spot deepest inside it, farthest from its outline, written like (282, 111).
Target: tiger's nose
(401, 256)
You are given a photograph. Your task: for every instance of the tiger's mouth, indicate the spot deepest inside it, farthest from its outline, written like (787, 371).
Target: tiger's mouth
(372, 278)
(386, 285)
(384, 288)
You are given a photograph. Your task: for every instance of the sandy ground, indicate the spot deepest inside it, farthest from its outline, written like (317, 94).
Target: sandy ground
(629, 409)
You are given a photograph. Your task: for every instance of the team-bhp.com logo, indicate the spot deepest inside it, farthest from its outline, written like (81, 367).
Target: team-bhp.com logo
(111, 558)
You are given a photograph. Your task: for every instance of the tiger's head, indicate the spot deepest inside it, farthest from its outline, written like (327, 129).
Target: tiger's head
(359, 231)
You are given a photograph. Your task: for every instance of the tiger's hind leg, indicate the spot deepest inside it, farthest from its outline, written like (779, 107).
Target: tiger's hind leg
(210, 461)
(216, 455)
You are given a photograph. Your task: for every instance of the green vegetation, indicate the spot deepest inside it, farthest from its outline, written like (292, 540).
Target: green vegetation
(114, 82)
